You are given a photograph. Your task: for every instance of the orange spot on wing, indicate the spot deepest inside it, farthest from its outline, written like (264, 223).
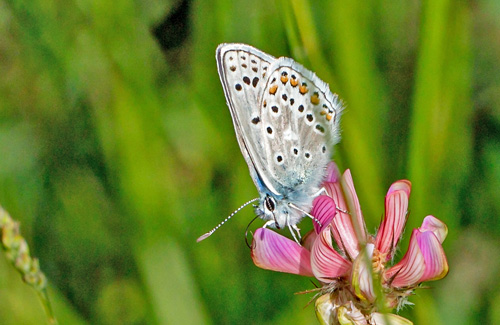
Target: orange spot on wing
(294, 82)
(315, 99)
(328, 117)
(303, 89)
(284, 79)
(273, 89)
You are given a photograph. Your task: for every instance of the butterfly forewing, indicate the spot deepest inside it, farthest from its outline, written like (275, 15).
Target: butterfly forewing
(300, 119)
(243, 71)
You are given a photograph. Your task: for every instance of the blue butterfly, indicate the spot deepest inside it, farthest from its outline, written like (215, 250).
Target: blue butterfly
(286, 122)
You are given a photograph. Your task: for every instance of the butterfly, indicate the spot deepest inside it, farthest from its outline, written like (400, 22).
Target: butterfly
(286, 122)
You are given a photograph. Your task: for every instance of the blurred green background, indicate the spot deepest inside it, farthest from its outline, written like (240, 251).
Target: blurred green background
(117, 150)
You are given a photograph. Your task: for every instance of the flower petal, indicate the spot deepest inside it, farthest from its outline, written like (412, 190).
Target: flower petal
(435, 225)
(326, 309)
(331, 189)
(353, 202)
(332, 173)
(389, 319)
(424, 261)
(309, 239)
(327, 264)
(348, 314)
(396, 207)
(436, 265)
(401, 185)
(324, 210)
(345, 235)
(271, 251)
(343, 229)
(411, 268)
(362, 280)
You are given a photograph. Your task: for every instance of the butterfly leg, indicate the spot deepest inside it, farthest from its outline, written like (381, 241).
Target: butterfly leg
(304, 212)
(292, 228)
(342, 210)
(321, 192)
(298, 231)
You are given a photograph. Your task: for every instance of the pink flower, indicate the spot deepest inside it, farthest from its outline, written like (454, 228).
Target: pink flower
(356, 272)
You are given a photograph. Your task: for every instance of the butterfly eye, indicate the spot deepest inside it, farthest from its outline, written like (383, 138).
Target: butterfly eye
(270, 203)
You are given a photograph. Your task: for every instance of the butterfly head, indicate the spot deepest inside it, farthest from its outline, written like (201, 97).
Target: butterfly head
(273, 209)
(269, 211)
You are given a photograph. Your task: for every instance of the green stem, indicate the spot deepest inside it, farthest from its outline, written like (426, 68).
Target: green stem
(17, 252)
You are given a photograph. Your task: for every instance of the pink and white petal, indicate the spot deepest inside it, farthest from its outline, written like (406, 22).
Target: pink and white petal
(271, 251)
(342, 228)
(334, 190)
(338, 239)
(345, 235)
(436, 265)
(362, 280)
(435, 225)
(410, 269)
(332, 173)
(355, 210)
(331, 189)
(324, 210)
(309, 239)
(401, 185)
(326, 263)
(396, 207)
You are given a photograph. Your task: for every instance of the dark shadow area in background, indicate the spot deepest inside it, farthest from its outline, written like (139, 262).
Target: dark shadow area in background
(174, 29)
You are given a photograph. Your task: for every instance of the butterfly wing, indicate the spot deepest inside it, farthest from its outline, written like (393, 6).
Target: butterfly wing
(243, 73)
(300, 118)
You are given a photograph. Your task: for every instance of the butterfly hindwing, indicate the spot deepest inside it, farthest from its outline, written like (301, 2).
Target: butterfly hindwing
(300, 118)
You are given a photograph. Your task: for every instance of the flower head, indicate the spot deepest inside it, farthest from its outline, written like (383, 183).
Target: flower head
(359, 283)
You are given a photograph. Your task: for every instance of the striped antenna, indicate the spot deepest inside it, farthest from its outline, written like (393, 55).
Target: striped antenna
(208, 234)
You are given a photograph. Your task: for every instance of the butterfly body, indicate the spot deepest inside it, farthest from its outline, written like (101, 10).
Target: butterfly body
(286, 122)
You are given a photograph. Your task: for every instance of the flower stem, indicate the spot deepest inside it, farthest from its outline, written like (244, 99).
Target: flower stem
(17, 252)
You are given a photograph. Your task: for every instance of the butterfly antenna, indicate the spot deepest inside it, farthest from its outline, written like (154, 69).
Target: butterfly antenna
(307, 214)
(208, 234)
